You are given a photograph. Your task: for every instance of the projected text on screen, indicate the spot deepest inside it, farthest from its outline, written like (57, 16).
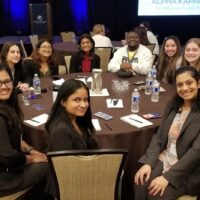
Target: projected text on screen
(168, 7)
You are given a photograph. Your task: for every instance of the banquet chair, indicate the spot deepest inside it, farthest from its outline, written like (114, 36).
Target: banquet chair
(34, 40)
(104, 53)
(68, 36)
(187, 197)
(16, 196)
(150, 47)
(62, 69)
(22, 47)
(67, 61)
(87, 174)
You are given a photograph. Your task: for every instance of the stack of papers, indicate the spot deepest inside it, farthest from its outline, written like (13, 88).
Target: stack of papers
(114, 103)
(37, 121)
(104, 92)
(136, 120)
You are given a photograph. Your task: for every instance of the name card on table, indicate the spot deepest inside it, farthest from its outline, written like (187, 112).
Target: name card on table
(136, 120)
(37, 121)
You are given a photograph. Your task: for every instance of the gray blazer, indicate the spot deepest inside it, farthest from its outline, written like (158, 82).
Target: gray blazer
(187, 169)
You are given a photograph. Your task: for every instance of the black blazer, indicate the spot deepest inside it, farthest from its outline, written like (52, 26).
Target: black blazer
(76, 63)
(12, 160)
(188, 150)
(65, 137)
(19, 76)
(31, 67)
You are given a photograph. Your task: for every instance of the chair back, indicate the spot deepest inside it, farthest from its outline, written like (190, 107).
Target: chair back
(22, 47)
(87, 174)
(67, 61)
(187, 197)
(62, 69)
(34, 40)
(150, 47)
(68, 36)
(104, 53)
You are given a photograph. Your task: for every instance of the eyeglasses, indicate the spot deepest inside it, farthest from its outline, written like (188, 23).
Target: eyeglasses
(46, 47)
(7, 83)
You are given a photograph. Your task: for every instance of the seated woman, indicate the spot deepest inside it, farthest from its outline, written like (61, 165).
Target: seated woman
(84, 60)
(11, 56)
(21, 166)
(41, 61)
(191, 55)
(69, 124)
(169, 59)
(171, 164)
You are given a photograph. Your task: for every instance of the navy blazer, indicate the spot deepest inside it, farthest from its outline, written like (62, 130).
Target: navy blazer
(76, 63)
(187, 146)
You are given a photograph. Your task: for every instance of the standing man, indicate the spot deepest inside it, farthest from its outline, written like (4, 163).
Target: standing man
(99, 36)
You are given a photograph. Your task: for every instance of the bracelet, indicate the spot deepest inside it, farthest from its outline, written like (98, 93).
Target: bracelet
(29, 149)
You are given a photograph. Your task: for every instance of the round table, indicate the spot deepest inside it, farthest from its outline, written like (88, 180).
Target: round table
(122, 135)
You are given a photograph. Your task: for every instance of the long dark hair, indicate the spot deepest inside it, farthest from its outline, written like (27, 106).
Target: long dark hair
(82, 53)
(178, 101)
(58, 112)
(4, 52)
(168, 67)
(10, 111)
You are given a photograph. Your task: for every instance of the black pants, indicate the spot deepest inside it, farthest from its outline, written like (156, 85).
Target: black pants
(36, 175)
(171, 193)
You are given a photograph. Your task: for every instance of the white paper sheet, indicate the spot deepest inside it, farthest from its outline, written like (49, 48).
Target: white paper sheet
(96, 124)
(58, 82)
(136, 120)
(114, 103)
(37, 121)
(103, 93)
(82, 79)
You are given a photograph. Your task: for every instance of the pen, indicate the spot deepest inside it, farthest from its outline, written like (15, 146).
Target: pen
(135, 120)
(108, 126)
(34, 121)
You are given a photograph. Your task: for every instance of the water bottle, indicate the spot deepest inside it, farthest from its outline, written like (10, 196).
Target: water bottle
(149, 81)
(36, 85)
(155, 91)
(135, 99)
(154, 72)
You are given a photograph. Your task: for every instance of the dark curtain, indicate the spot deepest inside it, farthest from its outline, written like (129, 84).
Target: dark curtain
(118, 16)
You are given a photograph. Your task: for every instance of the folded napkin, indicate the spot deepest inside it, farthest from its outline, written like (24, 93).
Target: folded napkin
(104, 92)
(37, 121)
(114, 103)
(136, 120)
